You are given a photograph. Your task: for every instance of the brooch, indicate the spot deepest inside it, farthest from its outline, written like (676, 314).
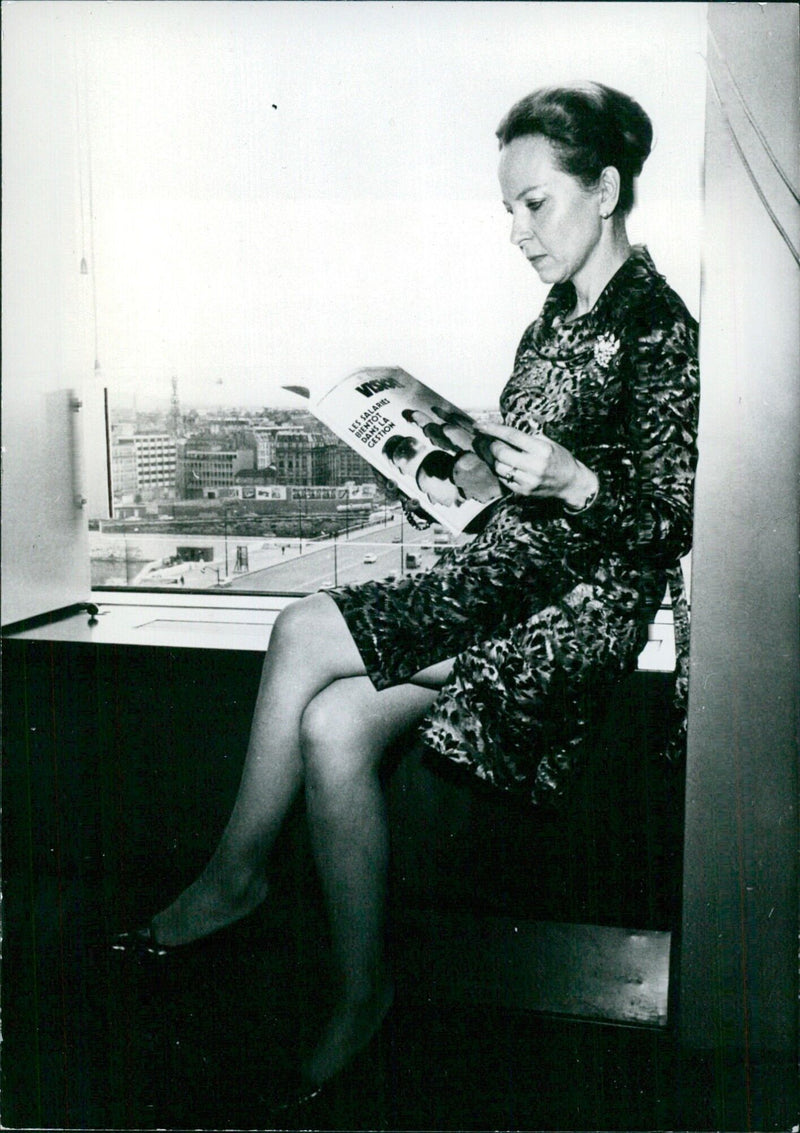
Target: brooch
(605, 348)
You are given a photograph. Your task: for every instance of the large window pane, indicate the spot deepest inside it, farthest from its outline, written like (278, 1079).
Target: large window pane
(279, 194)
(267, 500)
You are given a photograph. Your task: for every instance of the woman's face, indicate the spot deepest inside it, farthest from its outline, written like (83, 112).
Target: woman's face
(555, 221)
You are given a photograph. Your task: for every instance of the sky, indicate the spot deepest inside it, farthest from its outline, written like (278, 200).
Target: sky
(278, 193)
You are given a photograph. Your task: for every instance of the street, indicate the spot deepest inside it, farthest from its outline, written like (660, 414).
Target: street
(334, 563)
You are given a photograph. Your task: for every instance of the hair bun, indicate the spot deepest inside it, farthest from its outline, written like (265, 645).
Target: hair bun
(633, 126)
(591, 126)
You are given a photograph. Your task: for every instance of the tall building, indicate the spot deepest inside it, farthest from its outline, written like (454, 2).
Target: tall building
(212, 466)
(143, 464)
(294, 456)
(266, 439)
(337, 463)
(156, 463)
(175, 421)
(123, 465)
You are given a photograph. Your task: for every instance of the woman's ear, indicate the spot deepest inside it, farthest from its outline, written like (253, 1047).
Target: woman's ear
(608, 187)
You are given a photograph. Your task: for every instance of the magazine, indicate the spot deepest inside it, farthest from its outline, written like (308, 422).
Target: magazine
(433, 451)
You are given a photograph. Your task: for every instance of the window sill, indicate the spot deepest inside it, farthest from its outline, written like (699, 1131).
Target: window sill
(233, 622)
(191, 621)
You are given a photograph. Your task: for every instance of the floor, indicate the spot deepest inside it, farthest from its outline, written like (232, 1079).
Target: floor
(114, 781)
(98, 1041)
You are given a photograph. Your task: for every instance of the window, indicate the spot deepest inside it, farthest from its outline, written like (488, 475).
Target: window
(254, 212)
(207, 501)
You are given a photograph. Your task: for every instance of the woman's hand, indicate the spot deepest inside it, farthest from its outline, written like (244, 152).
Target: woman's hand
(533, 465)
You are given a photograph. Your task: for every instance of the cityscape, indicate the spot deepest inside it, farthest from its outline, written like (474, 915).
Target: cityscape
(259, 499)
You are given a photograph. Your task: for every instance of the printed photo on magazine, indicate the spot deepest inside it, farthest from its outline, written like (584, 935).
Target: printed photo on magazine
(433, 451)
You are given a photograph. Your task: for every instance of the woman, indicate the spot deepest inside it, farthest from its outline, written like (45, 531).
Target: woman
(528, 626)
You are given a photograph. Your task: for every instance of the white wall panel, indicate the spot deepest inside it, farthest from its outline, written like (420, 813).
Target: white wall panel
(739, 964)
(46, 320)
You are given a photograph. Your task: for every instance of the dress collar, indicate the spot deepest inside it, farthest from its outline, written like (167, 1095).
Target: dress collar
(554, 336)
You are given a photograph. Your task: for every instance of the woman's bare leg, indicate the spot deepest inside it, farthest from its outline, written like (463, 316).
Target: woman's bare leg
(310, 646)
(317, 717)
(344, 732)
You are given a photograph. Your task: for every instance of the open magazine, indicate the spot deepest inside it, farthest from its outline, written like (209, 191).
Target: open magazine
(433, 451)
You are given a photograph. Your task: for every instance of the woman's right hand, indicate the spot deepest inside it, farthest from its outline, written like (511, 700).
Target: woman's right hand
(534, 465)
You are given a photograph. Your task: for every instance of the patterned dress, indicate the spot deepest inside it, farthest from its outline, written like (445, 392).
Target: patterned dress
(545, 610)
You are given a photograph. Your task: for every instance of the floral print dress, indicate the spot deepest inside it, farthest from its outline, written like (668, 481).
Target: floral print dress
(545, 610)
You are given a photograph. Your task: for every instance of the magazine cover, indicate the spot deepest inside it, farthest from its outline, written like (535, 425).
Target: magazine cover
(431, 449)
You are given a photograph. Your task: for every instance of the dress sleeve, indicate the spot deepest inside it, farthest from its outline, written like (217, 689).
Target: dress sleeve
(646, 475)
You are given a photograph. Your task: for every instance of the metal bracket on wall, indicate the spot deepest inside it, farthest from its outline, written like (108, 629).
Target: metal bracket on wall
(75, 405)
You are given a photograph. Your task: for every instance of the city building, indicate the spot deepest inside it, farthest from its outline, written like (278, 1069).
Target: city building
(212, 466)
(294, 456)
(123, 465)
(265, 436)
(156, 463)
(143, 465)
(337, 463)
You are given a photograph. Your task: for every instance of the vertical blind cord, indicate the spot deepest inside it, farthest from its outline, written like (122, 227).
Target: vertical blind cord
(754, 180)
(751, 119)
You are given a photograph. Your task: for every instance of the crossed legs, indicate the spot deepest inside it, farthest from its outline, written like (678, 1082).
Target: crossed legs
(318, 720)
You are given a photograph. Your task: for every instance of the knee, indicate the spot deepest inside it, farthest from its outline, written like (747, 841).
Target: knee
(297, 623)
(334, 738)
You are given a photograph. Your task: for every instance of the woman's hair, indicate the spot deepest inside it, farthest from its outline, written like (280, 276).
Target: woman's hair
(437, 464)
(590, 126)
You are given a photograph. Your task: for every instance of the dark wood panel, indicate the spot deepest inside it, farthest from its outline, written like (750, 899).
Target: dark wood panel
(583, 971)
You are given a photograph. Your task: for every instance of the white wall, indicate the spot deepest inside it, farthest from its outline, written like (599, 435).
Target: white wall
(45, 309)
(739, 947)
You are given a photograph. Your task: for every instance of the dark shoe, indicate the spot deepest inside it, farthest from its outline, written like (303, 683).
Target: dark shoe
(355, 1079)
(297, 1093)
(141, 944)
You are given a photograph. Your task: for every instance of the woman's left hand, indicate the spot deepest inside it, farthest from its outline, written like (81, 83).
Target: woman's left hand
(534, 465)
